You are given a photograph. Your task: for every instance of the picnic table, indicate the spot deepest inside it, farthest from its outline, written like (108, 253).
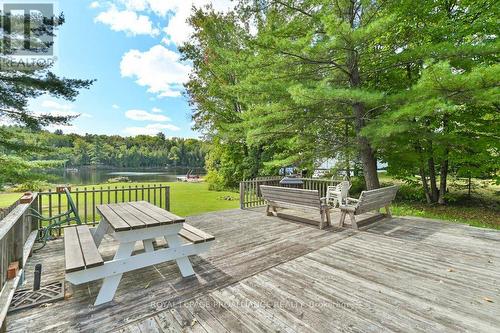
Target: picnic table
(129, 223)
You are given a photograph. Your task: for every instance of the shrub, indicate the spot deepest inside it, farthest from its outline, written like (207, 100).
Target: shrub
(358, 185)
(31, 185)
(215, 181)
(410, 193)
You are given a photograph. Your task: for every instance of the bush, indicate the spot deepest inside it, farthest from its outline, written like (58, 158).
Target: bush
(410, 193)
(31, 185)
(215, 181)
(358, 185)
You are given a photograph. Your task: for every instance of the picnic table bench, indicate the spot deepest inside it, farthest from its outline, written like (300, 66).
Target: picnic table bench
(294, 198)
(368, 201)
(129, 223)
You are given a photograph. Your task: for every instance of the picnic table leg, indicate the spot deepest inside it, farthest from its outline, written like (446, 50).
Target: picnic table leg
(100, 231)
(184, 264)
(148, 245)
(110, 284)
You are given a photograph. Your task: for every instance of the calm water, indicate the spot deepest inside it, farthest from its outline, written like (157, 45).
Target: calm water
(86, 176)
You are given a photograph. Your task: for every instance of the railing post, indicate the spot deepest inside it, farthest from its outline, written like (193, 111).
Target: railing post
(167, 198)
(242, 195)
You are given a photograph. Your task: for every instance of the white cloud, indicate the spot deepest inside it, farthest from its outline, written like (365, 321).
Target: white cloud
(142, 115)
(159, 69)
(151, 129)
(135, 5)
(127, 21)
(94, 5)
(177, 12)
(53, 105)
(115, 106)
(56, 108)
(66, 129)
(156, 110)
(177, 29)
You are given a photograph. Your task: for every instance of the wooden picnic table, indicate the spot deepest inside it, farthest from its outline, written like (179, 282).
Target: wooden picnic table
(129, 223)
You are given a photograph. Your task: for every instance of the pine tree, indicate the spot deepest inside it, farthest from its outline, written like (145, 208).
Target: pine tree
(17, 87)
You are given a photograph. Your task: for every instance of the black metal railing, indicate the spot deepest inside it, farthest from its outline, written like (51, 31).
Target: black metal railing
(86, 199)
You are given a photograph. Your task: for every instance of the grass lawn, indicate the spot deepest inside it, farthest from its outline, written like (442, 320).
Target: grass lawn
(186, 198)
(194, 198)
(474, 216)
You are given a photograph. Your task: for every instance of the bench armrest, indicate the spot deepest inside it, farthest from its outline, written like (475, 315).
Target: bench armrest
(352, 200)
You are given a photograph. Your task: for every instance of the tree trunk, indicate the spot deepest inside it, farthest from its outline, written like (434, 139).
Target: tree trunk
(432, 174)
(469, 186)
(442, 179)
(432, 180)
(366, 152)
(347, 162)
(425, 185)
(444, 167)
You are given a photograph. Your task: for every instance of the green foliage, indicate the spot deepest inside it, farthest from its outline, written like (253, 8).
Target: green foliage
(115, 151)
(31, 185)
(410, 193)
(17, 88)
(17, 170)
(359, 81)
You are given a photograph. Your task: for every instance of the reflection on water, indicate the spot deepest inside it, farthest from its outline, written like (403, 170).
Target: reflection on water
(86, 176)
(131, 173)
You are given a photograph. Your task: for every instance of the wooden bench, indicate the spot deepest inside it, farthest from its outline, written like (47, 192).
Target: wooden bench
(80, 251)
(293, 198)
(195, 235)
(368, 201)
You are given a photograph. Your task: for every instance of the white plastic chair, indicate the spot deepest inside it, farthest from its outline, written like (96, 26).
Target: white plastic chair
(338, 194)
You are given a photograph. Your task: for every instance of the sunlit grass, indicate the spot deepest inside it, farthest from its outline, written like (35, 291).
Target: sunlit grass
(185, 198)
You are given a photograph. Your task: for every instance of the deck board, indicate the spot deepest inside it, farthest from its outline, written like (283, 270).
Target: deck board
(267, 274)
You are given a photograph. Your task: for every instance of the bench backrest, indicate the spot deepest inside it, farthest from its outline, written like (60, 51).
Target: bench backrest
(374, 199)
(292, 196)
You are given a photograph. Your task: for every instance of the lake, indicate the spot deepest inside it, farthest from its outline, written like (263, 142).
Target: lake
(87, 175)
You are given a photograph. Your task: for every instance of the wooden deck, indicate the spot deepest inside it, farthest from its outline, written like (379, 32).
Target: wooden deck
(268, 274)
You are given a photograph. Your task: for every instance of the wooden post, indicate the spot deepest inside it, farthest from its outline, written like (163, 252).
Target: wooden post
(167, 198)
(242, 195)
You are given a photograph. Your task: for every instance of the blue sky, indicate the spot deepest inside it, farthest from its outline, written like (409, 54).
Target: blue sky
(130, 48)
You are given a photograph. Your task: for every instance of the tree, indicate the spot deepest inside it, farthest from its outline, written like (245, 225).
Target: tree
(448, 117)
(173, 155)
(402, 83)
(217, 54)
(17, 87)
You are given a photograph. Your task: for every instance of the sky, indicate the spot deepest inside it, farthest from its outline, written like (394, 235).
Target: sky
(131, 48)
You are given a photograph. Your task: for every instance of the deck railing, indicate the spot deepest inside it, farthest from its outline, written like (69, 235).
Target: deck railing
(5, 211)
(17, 235)
(250, 192)
(87, 198)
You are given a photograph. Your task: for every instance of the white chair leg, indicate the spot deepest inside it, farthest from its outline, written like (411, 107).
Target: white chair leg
(183, 263)
(110, 284)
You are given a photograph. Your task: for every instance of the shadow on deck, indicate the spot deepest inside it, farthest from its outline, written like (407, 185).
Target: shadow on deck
(268, 274)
